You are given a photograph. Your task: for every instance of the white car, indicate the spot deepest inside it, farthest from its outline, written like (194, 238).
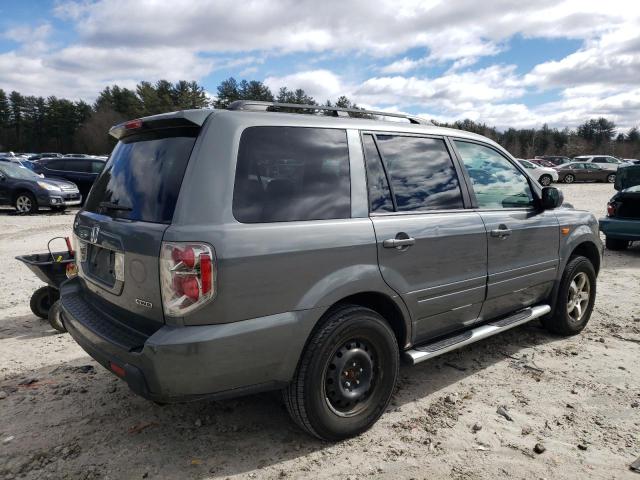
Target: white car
(607, 162)
(544, 175)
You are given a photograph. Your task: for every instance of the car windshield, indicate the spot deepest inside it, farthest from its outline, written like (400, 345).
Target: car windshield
(17, 171)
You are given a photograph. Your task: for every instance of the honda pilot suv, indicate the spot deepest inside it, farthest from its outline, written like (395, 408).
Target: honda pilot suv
(227, 252)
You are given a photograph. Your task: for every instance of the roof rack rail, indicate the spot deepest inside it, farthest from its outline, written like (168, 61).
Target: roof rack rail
(337, 111)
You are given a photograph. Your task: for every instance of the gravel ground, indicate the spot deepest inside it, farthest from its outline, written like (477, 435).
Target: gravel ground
(63, 416)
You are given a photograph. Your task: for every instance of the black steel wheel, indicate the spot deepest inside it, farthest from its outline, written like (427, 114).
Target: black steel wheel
(346, 374)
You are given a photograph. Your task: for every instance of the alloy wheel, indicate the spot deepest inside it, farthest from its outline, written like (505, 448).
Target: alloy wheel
(24, 204)
(569, 179)
(611, 178)
(578, 297)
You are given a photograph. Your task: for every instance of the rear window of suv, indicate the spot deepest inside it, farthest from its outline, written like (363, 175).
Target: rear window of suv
(288, 174)
(142, 178)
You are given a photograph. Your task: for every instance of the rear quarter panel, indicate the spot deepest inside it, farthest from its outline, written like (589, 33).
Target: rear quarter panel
(269, 268)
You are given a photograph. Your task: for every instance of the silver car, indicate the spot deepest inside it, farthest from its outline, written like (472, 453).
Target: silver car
(227, 252)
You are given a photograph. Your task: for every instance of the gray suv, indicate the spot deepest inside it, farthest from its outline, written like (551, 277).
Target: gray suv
(227, 252)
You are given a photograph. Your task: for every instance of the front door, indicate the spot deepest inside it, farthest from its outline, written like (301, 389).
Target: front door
(431, 250)
(523, 240)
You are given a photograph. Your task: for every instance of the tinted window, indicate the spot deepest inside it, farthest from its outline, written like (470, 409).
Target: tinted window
(56, 165)
(496, 182)
(286, 174)
(600, 160)
(77, 166)
(96, 167)
(142, 178)
(421, 173)
(379, 193)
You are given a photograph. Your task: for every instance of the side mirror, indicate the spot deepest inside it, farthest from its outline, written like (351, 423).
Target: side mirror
(551, 198)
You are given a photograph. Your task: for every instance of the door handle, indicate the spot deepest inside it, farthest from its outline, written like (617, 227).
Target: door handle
(398, 242)
(501, 232)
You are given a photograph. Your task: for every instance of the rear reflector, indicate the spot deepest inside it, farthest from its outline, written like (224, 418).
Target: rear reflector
(117, 369)
(611, 210)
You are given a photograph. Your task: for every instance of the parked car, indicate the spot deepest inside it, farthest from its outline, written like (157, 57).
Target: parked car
(27, 191)
(544, 175)
(584, 172)
(309, 253)
(555, 159)
(38, 156)
(622, 223)
(607, 162)
(542, 162)
(23, 163)
(76, 155)
(81, 171)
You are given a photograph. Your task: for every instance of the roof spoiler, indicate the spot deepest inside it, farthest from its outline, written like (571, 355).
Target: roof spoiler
(183, 118)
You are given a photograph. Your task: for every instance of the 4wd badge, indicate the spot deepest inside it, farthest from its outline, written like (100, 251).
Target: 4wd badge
(144, 303)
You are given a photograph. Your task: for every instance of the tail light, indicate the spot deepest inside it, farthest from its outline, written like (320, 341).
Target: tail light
(187, 276)
(611, 209)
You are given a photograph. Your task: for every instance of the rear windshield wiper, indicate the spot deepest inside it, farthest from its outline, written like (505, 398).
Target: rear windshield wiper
(114, 206)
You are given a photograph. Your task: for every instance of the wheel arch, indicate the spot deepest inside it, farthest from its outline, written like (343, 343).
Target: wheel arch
(589, 250)
(19, 191)
(387, 307)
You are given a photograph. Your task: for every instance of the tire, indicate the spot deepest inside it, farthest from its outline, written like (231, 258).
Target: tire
(55, 317)
(567, 320)
(351, 333)
(25, 203)
(616, 244)
(545, 180)
(569, 178)
(40, 302)
(611, 178)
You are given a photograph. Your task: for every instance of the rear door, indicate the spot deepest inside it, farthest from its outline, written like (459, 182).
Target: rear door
(522, 240)
(122, 224)
(431, 250)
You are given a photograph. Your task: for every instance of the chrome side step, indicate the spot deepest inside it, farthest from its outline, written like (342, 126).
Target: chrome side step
(426, 351)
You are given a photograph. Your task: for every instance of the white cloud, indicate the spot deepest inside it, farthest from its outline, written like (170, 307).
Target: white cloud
(320, 84)
(119, 41)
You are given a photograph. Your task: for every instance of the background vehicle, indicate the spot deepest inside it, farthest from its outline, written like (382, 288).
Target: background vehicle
(606, 162)
(555, 159)
(27, 191)
(38, 156)
(21, 162)
(622, 223)
(542, 162)
(81, 171)
(308, 253)
(76, 155)
(584, 172)
(544, 175)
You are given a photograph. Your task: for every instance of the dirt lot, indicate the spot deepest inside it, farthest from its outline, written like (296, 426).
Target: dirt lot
(63, 416)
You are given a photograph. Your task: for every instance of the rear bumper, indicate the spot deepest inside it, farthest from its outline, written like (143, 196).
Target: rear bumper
(619, 228)
(188, 363)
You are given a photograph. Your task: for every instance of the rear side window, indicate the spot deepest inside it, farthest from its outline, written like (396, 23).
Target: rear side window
(421, 173)
(287, 174)
(379, 193)
(142, 178)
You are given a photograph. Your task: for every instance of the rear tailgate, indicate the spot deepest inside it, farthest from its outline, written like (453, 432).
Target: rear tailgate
(119, 232)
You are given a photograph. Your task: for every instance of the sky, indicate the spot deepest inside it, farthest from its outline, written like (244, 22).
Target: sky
(506, 63)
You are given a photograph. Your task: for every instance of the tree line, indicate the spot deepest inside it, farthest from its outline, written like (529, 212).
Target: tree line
(38, 124)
